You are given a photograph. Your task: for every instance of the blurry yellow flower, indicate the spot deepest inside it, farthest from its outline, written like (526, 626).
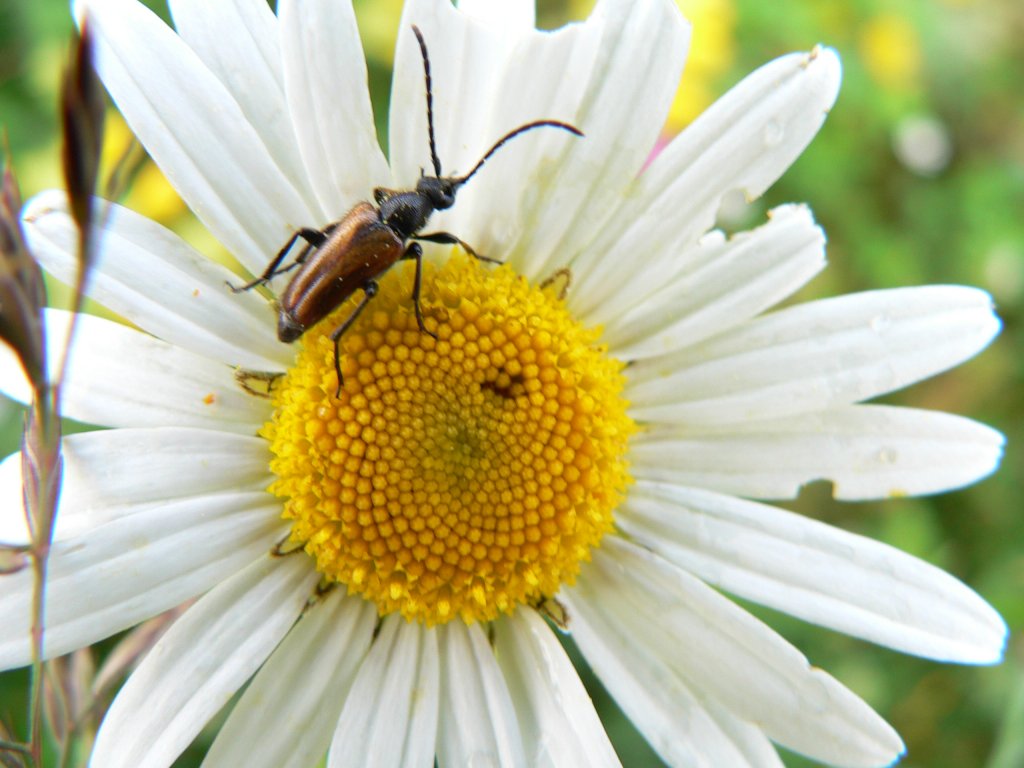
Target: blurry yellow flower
(711, 52)
(891, 50)
(378, 28)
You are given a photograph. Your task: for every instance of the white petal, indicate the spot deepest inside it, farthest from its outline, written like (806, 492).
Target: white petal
(520, 183)
(545, 192)
(131, 569)
(153, 278)
(866, 451)
(195, 131)
(744, 141)
(569, 199)
(718, 284)
(506, 85)
(815, 356)
(286, 716)
(390, 714)
(13, 524)
(206, 655)
(477, 722)
(119, 377)
(238, 40)
(814, 571)
(659, 618)
(110, 474)
(510, 14)
(465, 60)
(683, 728)
(556, 716)
(329, 102)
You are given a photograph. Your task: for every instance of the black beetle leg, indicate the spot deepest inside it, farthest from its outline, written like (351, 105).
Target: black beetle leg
(447, 238)
(314, 239)
(380, 194)
(562, 273)
(414, 251)
(369, 291)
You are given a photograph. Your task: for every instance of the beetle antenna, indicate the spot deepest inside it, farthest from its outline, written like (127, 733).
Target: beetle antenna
(511, 135)
(430, 100)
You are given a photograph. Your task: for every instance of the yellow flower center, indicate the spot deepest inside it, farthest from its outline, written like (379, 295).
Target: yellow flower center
(461, 476)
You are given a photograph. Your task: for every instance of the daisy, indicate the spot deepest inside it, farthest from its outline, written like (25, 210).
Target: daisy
(384, 569)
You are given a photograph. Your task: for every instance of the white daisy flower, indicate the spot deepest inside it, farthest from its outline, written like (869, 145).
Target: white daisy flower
(588, 457)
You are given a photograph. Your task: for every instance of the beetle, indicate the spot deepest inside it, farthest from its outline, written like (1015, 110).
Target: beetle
(353, 252)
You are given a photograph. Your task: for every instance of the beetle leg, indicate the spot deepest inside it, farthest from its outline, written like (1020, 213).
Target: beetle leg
(369, 291)
(447, 238)
(380, 194)
(414, 251)
(314, 239)
(562, 273)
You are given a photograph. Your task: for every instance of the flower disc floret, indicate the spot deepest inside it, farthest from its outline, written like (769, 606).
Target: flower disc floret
(453, 477)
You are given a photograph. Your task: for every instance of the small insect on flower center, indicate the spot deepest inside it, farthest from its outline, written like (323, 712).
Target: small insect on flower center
(459, 476)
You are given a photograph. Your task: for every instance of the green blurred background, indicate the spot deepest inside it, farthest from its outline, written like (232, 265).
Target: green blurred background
(917, 177)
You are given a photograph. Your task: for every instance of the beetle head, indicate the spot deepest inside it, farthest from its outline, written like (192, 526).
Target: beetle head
(440, 191)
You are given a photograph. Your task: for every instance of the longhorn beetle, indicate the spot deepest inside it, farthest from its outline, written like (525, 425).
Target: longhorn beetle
(353, 252)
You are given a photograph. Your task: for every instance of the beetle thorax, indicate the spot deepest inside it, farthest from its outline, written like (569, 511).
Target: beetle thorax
(406, 213)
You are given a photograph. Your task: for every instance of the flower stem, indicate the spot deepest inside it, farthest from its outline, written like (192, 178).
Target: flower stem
(41, 467)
